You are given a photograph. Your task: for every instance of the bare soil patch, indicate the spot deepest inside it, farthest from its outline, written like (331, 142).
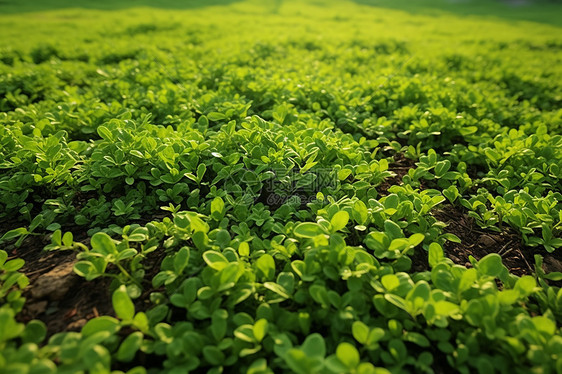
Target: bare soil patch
(477, 242)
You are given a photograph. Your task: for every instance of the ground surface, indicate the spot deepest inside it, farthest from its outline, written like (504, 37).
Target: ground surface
(306, 186)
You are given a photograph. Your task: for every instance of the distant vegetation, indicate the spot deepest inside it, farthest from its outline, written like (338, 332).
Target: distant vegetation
(364, 186)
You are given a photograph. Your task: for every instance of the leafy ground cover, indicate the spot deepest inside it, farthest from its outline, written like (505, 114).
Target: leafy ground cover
(284, 186)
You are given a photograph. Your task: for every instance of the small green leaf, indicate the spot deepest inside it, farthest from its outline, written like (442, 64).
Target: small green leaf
(35, 331)
(399, 244)
(265, 266)
(136, 153)
(122, 304)
(219, 323)
(314, 346)
(451, 237)
(308, 230)
(216, 116)
(244, 249)
(435, 254)
(87, 270)
(245, 333)
(305, 180)
(544, 324)
(125, 254)
(445, 308)
(141, 321)
(390, 281)
(468, 279)
(392, 229)
(375, 335)
(397, 301)
(102, 243)
(68, 239)
(203, 121)
(416, 239)
(343, 174)
(103, 323)
(56, 238)
(215, 260)
(553, 276)
(339, 220)
(442, 167)
(213, 355)
(278, 289)
(416, 338)
(129, 347)
(348, 355)
(180, 260)
(299, 362)
(12, 234)
(217, 207)
(13, 265)
(3, 257)
(491, 265)
(201, 169)
(360, 212)
(360, 331)
(104, 133)
(451, 193)
(260, 329)
(526, 285)
(9, 328)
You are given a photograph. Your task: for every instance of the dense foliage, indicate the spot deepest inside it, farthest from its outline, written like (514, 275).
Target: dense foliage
(252, 145)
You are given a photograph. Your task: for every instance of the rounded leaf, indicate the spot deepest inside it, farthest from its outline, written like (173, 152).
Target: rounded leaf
(103, 323)
(35, 331)
(435, 254)
(308, 230)
(314, 346)
(102, 243)
(491, 265)
(215, 260)
(339, 220)
(360, 331)
(122, 304)
(260, 329)
(129, 347)
(348, 355)
(266, 266)
(213, 355)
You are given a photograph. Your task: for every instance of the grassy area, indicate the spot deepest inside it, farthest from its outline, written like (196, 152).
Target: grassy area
(14, 6)
(534, 11)
(251, 186)
(540, 11)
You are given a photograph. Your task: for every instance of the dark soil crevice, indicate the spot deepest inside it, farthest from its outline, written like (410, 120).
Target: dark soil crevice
(420, 261)
(76, 302)
(477, 242)
(56, 295)
(400, 166)
(59, 297)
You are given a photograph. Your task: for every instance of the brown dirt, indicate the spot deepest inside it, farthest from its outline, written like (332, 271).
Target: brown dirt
(420, 261)
(400, 167)
(56, 295)
(477, 242)
(152, 265)
(60, 298)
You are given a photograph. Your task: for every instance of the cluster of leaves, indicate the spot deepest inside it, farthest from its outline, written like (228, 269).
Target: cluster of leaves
(289, 243)
(259, 306)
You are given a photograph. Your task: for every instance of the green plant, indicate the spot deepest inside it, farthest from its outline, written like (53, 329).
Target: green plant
(263, 190)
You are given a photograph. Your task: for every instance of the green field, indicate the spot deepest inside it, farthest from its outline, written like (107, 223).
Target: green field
(244, 186)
